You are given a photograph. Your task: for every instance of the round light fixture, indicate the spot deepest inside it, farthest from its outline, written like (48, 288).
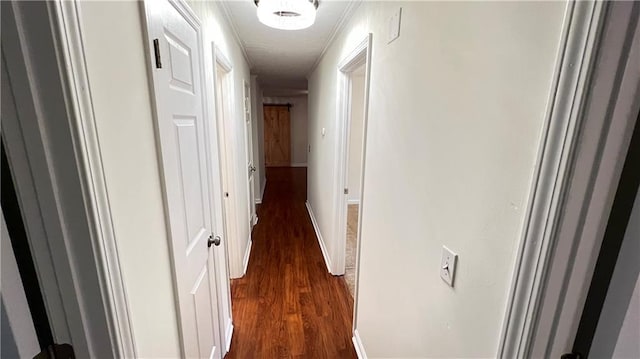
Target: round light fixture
(287, 14)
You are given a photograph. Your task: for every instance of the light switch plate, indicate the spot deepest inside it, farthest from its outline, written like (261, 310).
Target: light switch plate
(448, 265)
(394, 26)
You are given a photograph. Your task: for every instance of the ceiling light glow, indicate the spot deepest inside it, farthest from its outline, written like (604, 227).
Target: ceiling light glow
(287, 14)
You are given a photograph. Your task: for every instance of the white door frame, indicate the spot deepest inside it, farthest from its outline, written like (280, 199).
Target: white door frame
(224, 210)
(81, 280)
(610, 111)
(572, 187)
(224, 119)
(360, 55)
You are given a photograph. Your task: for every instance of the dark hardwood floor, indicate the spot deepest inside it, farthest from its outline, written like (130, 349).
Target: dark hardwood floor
(288, 305)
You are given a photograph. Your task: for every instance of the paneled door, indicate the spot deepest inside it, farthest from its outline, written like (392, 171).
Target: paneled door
(251, 168)
(176, 61)
(277, 136)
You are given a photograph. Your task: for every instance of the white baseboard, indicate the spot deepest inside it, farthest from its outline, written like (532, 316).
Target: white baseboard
(357, 344)
(247, 253)
(327, 260)
(264, 185)
(227, 336)
(353, 201)
(299, 164)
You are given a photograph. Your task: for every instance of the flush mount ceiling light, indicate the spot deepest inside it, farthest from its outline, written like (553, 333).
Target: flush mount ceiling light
(287, 14)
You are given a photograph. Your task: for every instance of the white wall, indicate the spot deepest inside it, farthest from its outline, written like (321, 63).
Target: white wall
(355, 137)
(455, 113)
(120, 90)
(298, 118)
(618, 328)
(116, 62)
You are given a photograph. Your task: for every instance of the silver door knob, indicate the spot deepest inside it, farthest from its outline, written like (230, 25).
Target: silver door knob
(215, 241)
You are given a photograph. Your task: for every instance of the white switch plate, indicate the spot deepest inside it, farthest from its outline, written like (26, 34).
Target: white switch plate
(394, 26)
(448, 265)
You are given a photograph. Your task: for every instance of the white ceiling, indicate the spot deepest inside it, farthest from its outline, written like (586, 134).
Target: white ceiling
(280, 58)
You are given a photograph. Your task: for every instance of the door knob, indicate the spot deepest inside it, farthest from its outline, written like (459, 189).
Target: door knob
(215, 241)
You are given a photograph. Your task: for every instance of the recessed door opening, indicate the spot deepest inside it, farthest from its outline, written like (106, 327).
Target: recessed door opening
(352, 100)
(224, 121)
(354, 173)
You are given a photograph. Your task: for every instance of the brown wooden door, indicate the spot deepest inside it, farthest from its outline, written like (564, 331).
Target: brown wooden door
(277, 136)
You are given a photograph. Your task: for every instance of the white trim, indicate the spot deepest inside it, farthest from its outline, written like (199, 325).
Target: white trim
(359, 55)
(221, 58)
(357, 345)
(76, 260)
(353, 201)
(581, 23)
(264, 185)
(228, 336)
(327, 260)
(247, 254)
(342, 22)
(225, 315)
(94, 181)
(234, 30)
(27, 154)
(298, 164)
(611, 111)
(227, 159)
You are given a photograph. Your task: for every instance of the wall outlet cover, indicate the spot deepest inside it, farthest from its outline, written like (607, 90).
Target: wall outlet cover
(448, 265)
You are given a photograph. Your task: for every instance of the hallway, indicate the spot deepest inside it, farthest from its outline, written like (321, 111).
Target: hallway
(288, 305)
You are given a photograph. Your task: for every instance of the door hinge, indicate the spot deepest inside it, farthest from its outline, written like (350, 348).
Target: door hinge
(346, 191)
(156, 52)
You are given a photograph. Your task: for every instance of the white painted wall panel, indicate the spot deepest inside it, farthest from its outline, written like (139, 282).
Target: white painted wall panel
(456, 109)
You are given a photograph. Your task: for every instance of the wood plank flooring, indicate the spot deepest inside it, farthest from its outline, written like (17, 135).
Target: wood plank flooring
(288, 305)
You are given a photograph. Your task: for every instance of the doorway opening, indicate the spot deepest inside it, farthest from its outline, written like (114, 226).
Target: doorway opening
(354, 172)
(223, 107)
(353, 94)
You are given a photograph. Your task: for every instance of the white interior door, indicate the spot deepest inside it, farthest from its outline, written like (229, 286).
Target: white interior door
(175, 40)
(251, 168)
